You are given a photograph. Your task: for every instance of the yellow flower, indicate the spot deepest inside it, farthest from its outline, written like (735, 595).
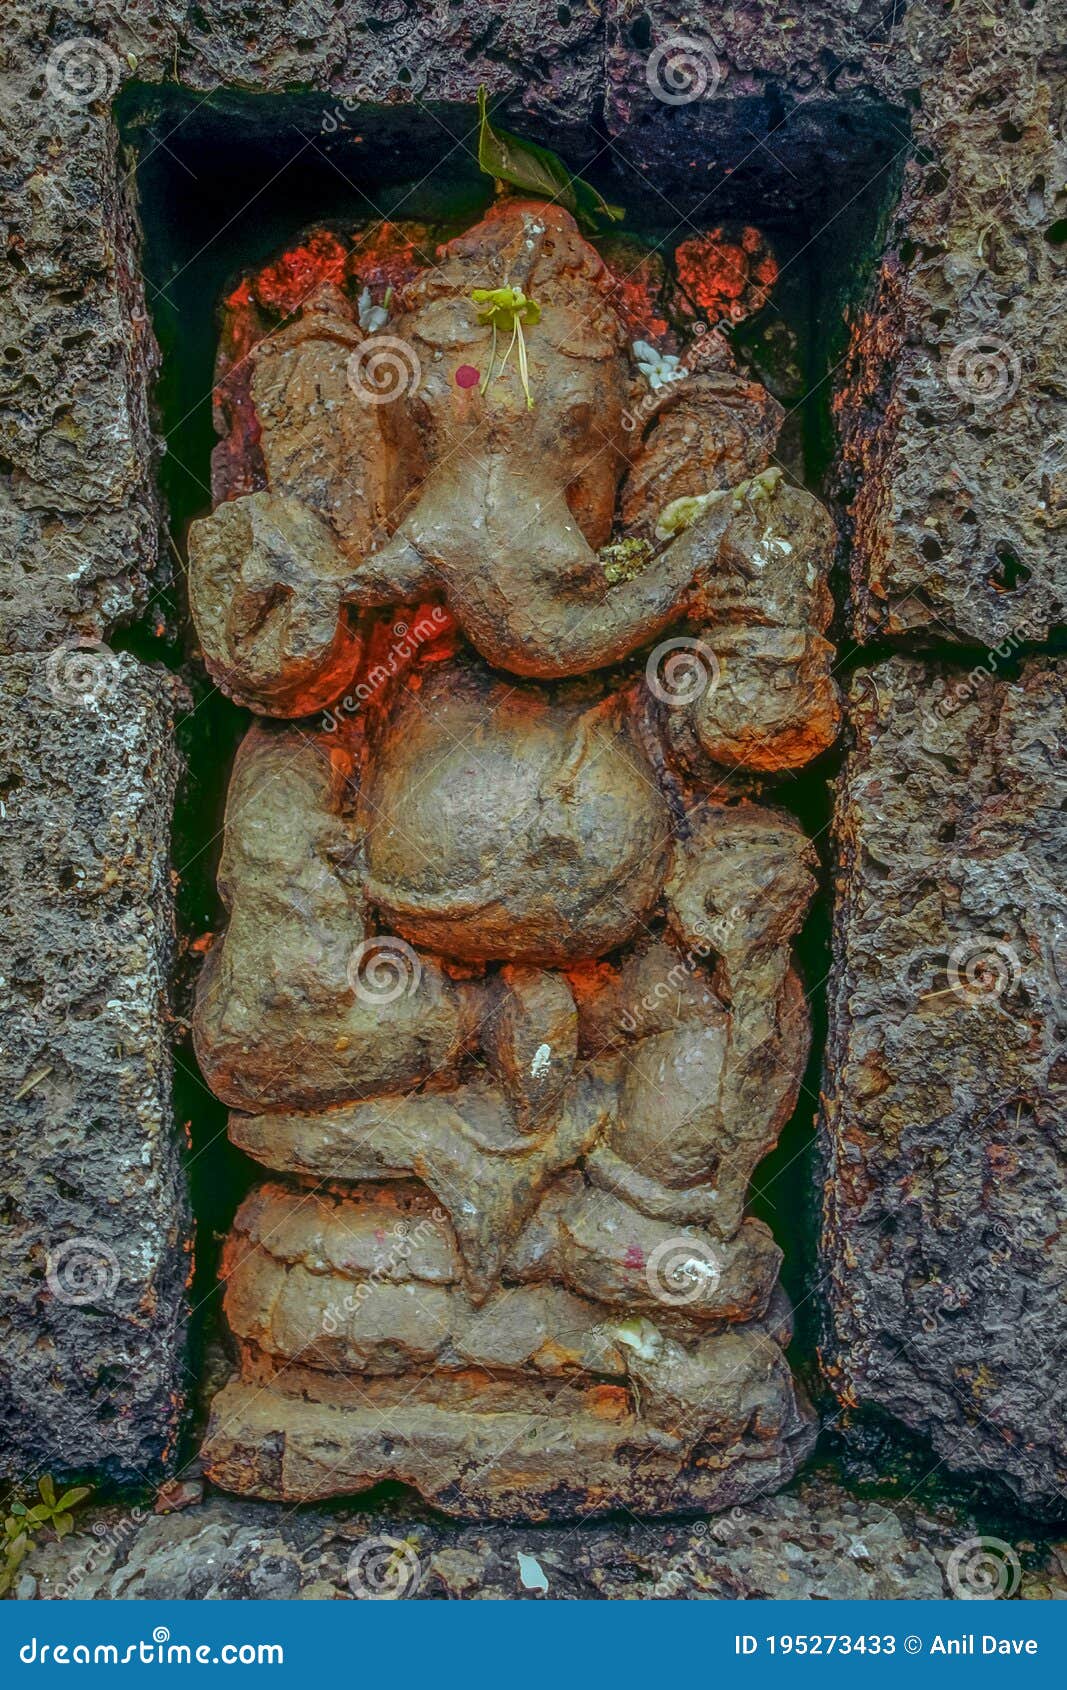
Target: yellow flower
(507, 308)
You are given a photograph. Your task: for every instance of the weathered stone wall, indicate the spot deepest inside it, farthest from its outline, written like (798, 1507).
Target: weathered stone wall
(95, 1242)
(945, 1171)
(96, 1238)
(945, 1116)
(816, 1544)
(952, 400)
(952, 491)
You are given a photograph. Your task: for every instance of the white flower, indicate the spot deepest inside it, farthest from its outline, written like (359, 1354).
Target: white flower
(660, 368)
(372, 317)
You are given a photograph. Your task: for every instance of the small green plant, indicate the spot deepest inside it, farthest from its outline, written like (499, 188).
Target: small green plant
(507, 308)
(24, 1520)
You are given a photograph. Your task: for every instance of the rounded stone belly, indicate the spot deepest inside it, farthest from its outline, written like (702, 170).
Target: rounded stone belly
(502, 824)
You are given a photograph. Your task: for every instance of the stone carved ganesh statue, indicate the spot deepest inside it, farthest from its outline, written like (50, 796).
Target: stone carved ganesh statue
(505, 1006)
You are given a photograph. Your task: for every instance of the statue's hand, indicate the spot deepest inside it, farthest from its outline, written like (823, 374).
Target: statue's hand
(696, 526)
(266, 581)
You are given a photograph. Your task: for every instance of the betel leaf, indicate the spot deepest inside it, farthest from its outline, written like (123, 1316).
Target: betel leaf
(539, 171)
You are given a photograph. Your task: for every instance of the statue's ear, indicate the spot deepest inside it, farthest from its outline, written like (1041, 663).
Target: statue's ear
(707, 429)
(266, 589)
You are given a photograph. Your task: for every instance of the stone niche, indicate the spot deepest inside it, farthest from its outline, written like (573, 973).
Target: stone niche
(534, 640)
(506, 1005)
(125, 237)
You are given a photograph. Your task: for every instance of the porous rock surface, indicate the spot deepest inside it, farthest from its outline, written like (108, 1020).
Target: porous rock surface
(94, 1245)
(952, 400)
(815, 1543)
(944, 1122)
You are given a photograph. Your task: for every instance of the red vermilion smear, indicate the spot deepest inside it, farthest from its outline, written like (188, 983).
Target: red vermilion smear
(636, 292)
(283, 286)
(241, 295)
(726, 276)
(237, 463)
(388, 256)
(467, 376)
(426, 638)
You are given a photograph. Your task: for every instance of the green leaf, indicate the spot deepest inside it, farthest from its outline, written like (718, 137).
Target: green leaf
(18, 1508)
(47, 1490)
(592, 205)
(71, 1498)
(62, 1524)
(539, 171)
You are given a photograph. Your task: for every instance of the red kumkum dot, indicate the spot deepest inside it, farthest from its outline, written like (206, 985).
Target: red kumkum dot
(467, 376)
